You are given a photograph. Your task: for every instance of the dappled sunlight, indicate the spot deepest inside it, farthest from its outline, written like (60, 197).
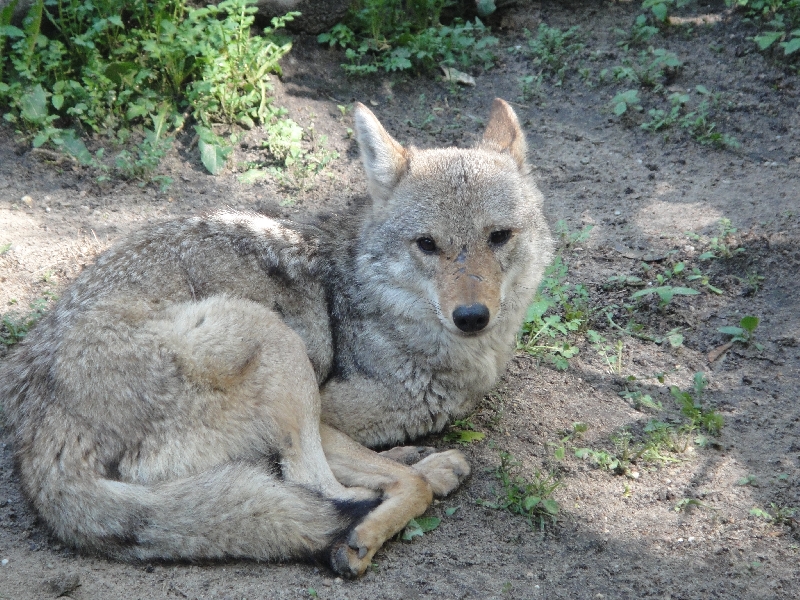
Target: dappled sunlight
(661, 217)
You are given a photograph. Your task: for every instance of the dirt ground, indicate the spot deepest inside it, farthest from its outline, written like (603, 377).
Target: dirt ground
(617, 536)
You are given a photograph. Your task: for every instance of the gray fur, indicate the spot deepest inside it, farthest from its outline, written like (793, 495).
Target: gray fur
(170, 405)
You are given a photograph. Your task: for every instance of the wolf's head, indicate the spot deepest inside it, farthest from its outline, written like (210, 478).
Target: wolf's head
(459, 231)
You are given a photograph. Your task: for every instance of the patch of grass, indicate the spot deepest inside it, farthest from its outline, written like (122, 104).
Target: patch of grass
(392, 35)
(690, 403)
(551, 50)
(529, 497)
(571, 238)
(661, 440)
(14, 329)
(558, 309)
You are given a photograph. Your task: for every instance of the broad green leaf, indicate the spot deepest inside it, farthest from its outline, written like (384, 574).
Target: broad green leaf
(530, 502)
(749, 323)
(75, 146)
(427, 524)
(620, 108)
(253, 175)
(412, 530)
(33, 105)
(551, 506)
(40, 139)
(11, 31)
(731, 330)
(766, 39)
(684, 291)
(212, 156)
(791, 46)
(675, 340)
(660, 11)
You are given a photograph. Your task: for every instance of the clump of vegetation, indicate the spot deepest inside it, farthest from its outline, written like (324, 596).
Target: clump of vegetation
(558, 309)
(132, 72)
(780, 25)
(661, 440)
(551, 49)
(528, 497)
(393, 35)
(13, 329)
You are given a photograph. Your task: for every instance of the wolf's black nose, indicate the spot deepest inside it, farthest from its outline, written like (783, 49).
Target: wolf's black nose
(471, 318)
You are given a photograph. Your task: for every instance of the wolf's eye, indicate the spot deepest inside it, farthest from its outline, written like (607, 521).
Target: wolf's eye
(498, 238)
(427, 245)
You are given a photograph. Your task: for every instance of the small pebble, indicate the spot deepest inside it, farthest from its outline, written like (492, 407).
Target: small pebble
(4, 562)
(616, 212)
(27, 201)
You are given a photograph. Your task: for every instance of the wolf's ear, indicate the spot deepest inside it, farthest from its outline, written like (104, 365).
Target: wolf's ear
(503, 133)
(385, 161)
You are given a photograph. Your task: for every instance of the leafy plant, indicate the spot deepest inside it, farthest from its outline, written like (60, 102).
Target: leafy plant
(419, 527)
(691, 407)
(639, 34)
(551, 49)
(463, 431)
(744, 332)
(14, 329)
(114, 68)
(780, 20)
(665, 293)
(661, 8)
(557, 310)
(625, 101)
(530, 498)
(392, 35)
(571, 238)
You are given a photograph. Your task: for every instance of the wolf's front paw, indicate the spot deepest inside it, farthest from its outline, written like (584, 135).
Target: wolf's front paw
(408, 455)
(444, 471)
(352, 557)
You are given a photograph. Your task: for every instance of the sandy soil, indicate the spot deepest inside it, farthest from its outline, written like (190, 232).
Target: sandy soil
(617, 536)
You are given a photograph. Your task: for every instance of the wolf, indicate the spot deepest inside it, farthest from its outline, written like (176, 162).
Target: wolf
(211, 386)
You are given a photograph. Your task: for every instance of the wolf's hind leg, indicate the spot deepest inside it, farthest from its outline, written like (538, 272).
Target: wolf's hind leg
(407, 493)
(257, 386)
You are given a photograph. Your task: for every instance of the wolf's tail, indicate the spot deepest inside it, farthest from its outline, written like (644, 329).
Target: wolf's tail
(236, 510)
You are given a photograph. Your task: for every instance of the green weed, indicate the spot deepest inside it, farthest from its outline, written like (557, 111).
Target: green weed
(114, 68)
(530, 498)
(418, 527)
(780, 23)
(558, 309)
(690, 403)
(464, 432)
(392, 35)
(638, 35)
(661, 8)
(625, 101)
(14, 329)
(572, 238)
(551, 50)
(744, 332)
